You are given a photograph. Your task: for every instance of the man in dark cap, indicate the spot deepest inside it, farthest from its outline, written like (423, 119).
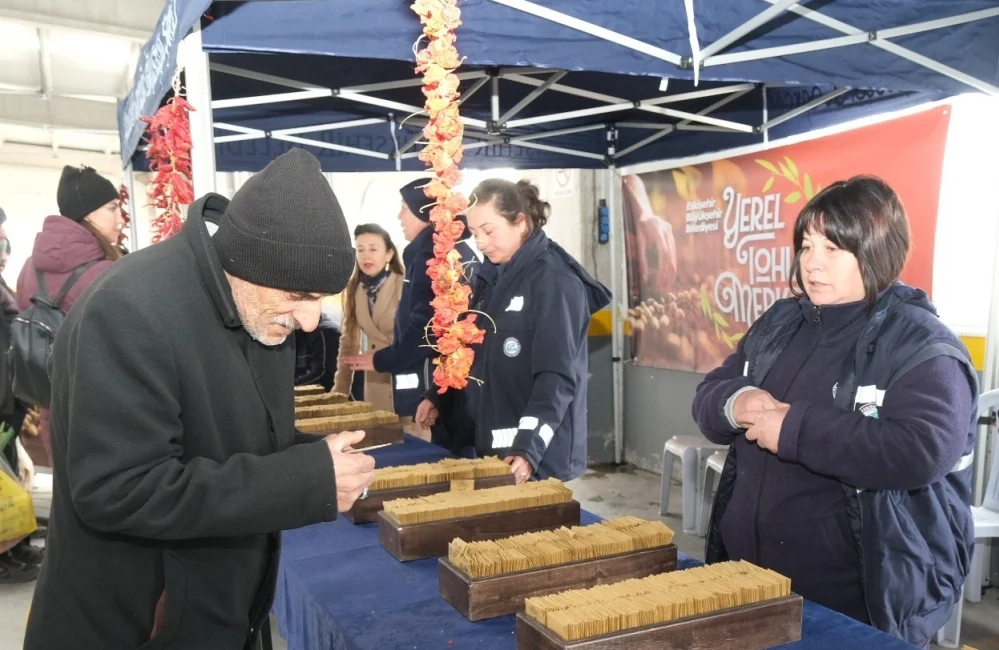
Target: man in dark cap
(173, 425)
(409, 356)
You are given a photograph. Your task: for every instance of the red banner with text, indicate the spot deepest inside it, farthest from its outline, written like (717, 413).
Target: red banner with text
(710, 248)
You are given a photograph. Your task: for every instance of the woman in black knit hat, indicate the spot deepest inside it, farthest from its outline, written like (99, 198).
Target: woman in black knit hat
(82, 234)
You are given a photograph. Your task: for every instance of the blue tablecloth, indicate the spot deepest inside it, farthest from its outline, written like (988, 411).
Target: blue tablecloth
(338, 589)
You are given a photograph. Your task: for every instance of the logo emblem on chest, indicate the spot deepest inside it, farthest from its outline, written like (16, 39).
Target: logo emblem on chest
(511, 347)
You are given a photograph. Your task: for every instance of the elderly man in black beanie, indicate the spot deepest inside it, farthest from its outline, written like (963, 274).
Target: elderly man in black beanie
(173, 425)
(409, 356)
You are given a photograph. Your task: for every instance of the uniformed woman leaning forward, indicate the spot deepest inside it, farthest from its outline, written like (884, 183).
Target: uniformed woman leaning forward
(530, 408)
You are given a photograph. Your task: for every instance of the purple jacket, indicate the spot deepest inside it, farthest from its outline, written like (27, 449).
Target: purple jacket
(61, 247)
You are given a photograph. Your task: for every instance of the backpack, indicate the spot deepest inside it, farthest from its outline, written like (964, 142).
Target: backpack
(32, 335)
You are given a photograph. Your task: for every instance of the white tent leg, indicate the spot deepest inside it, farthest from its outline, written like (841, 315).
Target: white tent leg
(766, 118)
(617, 334)
(199, 93)
(990, 381)
(128, 177)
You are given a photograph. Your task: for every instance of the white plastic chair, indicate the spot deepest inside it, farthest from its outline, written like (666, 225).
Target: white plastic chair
(692, 452)
(713, 466)
(986, 527)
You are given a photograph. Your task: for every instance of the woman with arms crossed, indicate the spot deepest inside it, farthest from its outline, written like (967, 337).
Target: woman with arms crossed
(850, 411)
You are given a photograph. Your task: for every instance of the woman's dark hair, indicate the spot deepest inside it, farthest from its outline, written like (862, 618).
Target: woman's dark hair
(395, 266)
(862, 215)
(111, 250)
(512, 200)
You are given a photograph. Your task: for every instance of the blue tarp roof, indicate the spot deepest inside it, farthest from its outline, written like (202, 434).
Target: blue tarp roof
(349, 42)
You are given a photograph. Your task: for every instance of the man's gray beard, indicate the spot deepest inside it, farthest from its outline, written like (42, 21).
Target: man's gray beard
(259, 337)
(264, 340)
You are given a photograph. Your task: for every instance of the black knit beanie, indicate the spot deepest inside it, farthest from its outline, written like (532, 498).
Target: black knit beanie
(81, 191)
(417, 202)
(284, 229)
(420, 204)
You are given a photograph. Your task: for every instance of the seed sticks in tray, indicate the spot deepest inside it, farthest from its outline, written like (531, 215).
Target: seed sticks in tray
(493, 578)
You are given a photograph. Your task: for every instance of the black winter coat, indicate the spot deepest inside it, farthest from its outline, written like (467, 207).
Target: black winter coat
(409, 356)
(175, 470)
(534, 366)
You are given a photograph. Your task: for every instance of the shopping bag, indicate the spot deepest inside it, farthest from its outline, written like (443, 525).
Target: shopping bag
(17, 512)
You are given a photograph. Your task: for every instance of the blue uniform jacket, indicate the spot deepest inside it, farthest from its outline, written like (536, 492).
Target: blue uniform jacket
(533, 363)
(914, 545)
(409, 356)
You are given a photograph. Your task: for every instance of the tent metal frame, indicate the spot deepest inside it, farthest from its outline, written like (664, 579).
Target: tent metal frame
(490, 132)
(480, 133)
(712, 55)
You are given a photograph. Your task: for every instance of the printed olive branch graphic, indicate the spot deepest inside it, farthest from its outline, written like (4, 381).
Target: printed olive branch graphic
(718, 320)
(790, 172)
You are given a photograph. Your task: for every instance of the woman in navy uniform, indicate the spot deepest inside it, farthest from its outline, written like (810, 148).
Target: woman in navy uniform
(530, 407)
(408, 359)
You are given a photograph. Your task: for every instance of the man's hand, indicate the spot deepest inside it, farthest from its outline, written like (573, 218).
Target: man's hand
(354, 472)
(766, 431)
(521, 469)
(749, 406)
(426, 414)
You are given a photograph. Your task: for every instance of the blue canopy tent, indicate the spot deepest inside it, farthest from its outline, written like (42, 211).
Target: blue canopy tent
(557, 83)
(282, 69)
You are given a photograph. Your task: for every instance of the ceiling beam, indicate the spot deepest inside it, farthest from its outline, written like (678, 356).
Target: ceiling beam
(65, 113)
(45, 63)
(72, 20)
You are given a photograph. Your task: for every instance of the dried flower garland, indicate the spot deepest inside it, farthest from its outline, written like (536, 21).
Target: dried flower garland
(452, 325)
(123, 198)
(169, 157)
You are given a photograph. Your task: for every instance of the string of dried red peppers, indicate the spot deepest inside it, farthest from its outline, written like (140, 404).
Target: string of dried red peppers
(453, 326)
(169, 156)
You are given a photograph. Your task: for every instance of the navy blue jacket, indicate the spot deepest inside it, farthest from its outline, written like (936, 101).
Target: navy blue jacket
(898, 443)
(534, 361)
(409, 356)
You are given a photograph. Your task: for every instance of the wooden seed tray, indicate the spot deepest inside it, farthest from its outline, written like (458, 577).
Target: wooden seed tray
(418, 541)
(751, 627)
(383, 434)
(488, 597)
(365, 511)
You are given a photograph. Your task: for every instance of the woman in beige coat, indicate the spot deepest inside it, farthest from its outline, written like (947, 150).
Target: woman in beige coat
(369, 306)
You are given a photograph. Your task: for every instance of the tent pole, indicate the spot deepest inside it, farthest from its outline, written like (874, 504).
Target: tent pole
(990, 380)
(495, 99)
(199, 93)
(615, 237)
(766, 118)
(133, 228)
